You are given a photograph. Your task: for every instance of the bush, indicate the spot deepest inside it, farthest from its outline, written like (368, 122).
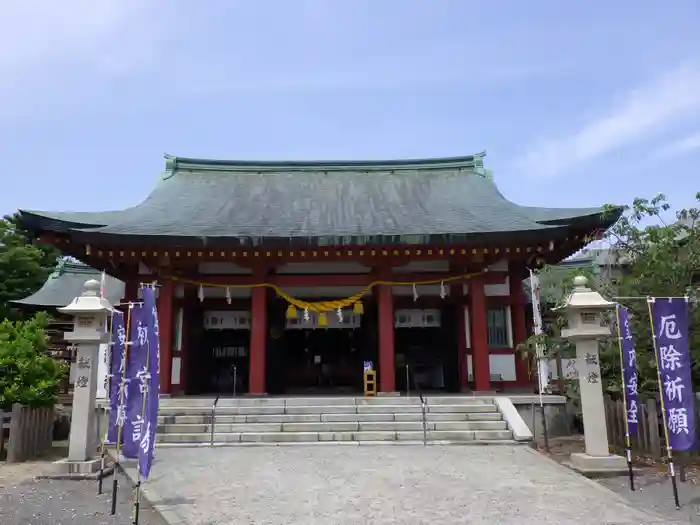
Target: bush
(29, 375)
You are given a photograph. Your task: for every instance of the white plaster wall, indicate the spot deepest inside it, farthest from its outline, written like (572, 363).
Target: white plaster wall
(498, 290)
(323, 268)
(493, 290)
(503, 364)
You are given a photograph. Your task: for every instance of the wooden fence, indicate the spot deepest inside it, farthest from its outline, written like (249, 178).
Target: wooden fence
(649, 440)
(31, 432)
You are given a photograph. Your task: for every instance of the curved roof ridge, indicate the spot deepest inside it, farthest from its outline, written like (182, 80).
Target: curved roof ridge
(473, 162)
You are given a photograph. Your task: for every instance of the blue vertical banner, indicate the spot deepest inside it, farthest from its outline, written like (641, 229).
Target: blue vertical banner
(148, 440)
(117, 347)
(669, 320)
(137, 379)
(628, 360)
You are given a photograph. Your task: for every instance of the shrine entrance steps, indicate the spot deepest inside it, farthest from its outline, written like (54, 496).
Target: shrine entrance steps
(349, 420)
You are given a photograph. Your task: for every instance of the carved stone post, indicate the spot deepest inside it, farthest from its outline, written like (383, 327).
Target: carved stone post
(90, 313)
(584, 308)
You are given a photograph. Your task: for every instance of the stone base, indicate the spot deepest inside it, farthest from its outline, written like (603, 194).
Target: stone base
(66, 469)
(597, 466)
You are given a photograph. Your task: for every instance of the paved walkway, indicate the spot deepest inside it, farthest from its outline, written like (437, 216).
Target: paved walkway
(350, 485)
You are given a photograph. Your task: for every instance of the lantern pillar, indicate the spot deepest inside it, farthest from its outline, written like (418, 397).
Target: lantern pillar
(584, 308)
(89, 312)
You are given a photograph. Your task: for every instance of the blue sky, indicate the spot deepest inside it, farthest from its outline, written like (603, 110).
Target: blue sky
(576, 103)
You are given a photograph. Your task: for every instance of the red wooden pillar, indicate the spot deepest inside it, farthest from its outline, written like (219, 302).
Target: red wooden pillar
(517, 309)
(479, 340)
(131, 291)
(258, 340)
(166, 294)
(457, 293)
(387, 370)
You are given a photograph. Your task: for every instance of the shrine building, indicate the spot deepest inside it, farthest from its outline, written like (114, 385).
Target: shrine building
(290, 277)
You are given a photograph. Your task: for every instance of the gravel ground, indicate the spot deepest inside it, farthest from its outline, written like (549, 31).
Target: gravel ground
(373, 485)
(653, 492)
(52, 502)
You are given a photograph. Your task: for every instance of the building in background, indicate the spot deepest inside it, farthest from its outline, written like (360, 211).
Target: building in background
(65, 284)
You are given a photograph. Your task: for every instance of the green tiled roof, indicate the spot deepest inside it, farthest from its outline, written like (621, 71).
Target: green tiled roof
(67, 282)
(342, 202)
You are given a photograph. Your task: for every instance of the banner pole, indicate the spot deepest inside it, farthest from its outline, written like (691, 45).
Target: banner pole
(669, 450)
(539, 353)
(120, 413)
(103, 450)
(628, 444)
(147, 378)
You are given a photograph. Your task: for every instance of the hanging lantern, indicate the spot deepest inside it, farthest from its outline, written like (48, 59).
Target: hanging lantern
(200, 293)
(358, 308)
(307, 316)
(322, 319)
(291, 312)
(415, 293)
(228, 295)
(340, 315)
(443, 293)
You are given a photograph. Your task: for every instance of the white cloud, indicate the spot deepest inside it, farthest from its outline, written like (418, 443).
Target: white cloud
(682, 146)
(643, 112)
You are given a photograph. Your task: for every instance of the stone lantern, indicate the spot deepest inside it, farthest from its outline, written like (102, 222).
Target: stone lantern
(584, 310)
(90, 312)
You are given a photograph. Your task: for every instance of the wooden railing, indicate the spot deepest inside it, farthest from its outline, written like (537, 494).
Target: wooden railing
(31, 432)
(649, 440)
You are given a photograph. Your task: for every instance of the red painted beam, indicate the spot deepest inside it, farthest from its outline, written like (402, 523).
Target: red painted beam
(330, 279)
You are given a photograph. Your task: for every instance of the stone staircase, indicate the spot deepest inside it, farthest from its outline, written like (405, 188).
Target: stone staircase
(356, 420)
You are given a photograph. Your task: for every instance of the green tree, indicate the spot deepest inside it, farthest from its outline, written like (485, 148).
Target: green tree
(28, 373)
(649, 256)
(24, 263)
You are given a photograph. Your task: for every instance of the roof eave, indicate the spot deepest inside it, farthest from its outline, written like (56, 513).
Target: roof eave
(36, 222)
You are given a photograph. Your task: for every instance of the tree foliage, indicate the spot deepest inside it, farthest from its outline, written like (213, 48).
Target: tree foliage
(24, 264)
(28, 373)
(648, 257)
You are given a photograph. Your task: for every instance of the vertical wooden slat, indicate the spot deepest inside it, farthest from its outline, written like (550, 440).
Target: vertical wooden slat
(30, 430)
(654, 438)
(2, 433)
(641, 439)
(14, 450)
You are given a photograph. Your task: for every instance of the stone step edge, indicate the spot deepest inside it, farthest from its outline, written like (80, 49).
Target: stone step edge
(206, 436)
(352, 409)
(352, 443)
(389, 416)
(250, 428)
